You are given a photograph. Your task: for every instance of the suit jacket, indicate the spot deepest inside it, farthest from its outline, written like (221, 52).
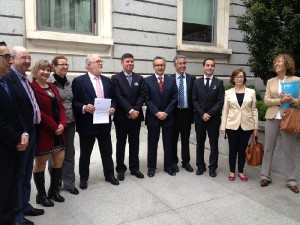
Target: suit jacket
(272, 99)
(48, 125)
(83, 94)
(22, 99)
(211, 102)
(234, 115)
(128, 97)
(189, 86)
(160, 102)
(11, 128)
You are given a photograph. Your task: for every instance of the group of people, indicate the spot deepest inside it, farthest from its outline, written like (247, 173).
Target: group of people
(38, 121)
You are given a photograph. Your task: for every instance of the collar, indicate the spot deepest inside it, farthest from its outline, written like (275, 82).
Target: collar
(211, 77)
(178, 75)
(127, 74)
(92, 76)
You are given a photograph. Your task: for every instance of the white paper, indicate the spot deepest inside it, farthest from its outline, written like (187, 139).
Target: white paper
(101, 113)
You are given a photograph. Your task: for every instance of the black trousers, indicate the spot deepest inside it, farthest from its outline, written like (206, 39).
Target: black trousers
(212, 128)
(86, 147)
(8, 192)
(183, 127)
(238, 141)
(153, 138)
(130, 129)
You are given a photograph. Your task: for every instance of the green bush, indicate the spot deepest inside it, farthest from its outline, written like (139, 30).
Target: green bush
(261, 108)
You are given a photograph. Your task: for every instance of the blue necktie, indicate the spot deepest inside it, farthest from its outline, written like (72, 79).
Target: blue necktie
(5, 86)
(181, 92)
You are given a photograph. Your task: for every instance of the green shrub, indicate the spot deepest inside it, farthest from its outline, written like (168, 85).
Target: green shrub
(261, 108)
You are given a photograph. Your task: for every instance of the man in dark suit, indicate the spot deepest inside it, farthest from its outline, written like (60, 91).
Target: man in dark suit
(183, 115)
(208, 99)
(13, 138)
(161, 100)
(85, 89)
(25, 98)
(130, 96)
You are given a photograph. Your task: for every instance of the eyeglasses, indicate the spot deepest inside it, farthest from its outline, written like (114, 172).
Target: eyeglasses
(6, 56)
(63, 65)
(98, 62)
(159, 65)
(237, 78)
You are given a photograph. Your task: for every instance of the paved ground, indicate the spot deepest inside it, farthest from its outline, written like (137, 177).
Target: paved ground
(183, 199)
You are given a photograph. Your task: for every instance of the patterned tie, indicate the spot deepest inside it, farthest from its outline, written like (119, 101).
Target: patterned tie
(161, 84)
(181, 92)
(207, 85)
(37, 114)
(5, 86)
(129, 78)
(99, 90)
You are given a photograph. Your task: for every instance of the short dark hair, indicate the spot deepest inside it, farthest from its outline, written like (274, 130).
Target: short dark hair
(235, 73)
(3, 43)
(56, 58)
(211, 59)
(126, 55)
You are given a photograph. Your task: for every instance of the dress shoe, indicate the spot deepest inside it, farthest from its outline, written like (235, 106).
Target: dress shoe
(294, 188)
(83, 185)
(264, 182)
(212, 173)
(34, 212)
(24, 221)
(243, 178)
(200, 171)
(121, 176)
(44, 200)
(171, 172)
(112, 180)
(231, 177)
(137, 173)
(73, 191)
(175, 168)
(151, 173)
(188, 167)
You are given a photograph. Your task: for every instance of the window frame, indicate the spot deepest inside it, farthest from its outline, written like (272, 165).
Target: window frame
(42, 41)
(221, 29)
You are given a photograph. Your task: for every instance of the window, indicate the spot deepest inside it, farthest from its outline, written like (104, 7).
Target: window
(203, 27)
(66, 15)
(76, 27)
(198, 21)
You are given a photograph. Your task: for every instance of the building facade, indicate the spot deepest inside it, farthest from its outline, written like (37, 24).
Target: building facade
(144, 28)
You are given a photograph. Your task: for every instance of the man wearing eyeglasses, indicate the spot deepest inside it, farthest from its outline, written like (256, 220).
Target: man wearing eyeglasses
(161, 100)
(13, 138)
(85, 89)
(25, 97)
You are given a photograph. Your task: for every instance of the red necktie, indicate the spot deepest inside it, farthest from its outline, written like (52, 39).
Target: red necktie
(161, 84)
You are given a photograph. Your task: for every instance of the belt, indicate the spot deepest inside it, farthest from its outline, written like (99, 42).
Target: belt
(182, 109)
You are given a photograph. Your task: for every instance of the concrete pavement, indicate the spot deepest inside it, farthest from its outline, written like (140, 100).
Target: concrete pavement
(183, 199)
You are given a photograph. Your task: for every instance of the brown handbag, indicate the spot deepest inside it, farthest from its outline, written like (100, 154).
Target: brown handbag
(254, 152)
(290, 121)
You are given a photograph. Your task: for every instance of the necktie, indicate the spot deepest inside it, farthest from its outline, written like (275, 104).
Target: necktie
(37, 114)
(161, 84)
(207, 84)
(5, 86)
(181, 92)
(99, 91)
(129, 78)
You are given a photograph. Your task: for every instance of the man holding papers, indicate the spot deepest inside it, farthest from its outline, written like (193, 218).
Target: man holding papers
(89, 89)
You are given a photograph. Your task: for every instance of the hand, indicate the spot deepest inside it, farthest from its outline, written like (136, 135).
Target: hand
(59, 129)
(161, 115)
(206, 117)
(89, 108)
(285, 97)
(255, 132)
(23, 143)
(133, 115)
(111, 111)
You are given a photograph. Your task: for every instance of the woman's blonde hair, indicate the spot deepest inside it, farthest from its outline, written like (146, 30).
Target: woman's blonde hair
(41, 64)
(288, 62)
